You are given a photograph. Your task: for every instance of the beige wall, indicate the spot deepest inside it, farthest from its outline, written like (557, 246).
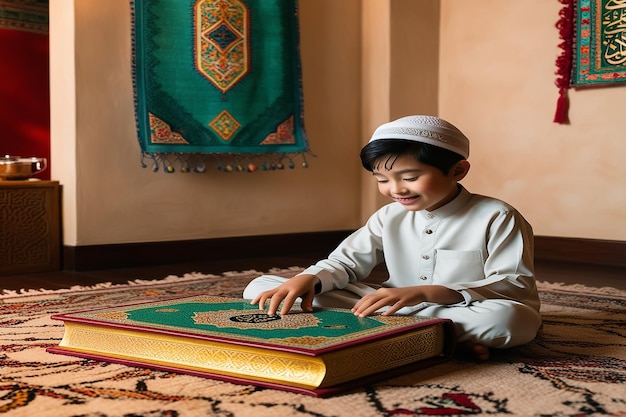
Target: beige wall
(109, 198)
(494, 79)
(497, 84)
(391, 88)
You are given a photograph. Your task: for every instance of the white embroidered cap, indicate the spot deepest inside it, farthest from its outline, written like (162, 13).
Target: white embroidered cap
(425, 129)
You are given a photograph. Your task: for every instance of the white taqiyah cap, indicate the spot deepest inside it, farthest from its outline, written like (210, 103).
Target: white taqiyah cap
(425, 129)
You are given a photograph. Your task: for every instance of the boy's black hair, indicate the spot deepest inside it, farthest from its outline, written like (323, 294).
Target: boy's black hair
(386, 151)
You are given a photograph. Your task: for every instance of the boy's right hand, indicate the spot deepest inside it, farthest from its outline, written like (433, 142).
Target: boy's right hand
(299, 286)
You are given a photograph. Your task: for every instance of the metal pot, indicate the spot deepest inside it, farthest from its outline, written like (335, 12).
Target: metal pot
(18, 168)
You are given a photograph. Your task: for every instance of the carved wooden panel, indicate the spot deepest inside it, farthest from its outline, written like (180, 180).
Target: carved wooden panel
(30, 238)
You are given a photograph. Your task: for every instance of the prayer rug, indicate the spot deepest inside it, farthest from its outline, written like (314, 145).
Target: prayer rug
(593, 34)
(575, 367)
(218, 79)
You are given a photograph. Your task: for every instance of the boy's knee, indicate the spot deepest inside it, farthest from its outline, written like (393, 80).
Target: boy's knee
(250, 292)
(260, 284)
(496, 324)
(515, 324)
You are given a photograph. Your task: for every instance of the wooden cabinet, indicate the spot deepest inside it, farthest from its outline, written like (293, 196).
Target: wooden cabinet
(30, 231)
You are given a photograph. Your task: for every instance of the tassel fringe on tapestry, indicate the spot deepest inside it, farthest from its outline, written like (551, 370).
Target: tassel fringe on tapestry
(593, 47)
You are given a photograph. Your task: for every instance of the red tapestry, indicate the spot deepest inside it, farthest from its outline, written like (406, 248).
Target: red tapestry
(24, 80)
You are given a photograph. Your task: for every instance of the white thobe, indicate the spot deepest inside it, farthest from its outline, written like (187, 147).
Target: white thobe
(476, 245)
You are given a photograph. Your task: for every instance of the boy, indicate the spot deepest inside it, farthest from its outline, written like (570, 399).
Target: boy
(449, 253)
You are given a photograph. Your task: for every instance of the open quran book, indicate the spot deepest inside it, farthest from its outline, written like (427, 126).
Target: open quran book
(318, 353)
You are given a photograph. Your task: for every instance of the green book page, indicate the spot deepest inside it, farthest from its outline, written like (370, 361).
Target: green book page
(238, 319)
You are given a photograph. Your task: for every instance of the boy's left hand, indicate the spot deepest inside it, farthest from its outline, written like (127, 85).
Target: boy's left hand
(396, 298)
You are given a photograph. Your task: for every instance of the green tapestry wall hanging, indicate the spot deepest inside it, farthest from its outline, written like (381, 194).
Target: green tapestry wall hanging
(218, 80)
(593, 44)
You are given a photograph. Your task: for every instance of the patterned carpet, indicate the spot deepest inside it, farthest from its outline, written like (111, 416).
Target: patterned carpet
(576, 367)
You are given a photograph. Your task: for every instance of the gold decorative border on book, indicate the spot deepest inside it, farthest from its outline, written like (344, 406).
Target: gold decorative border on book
(205, 356)
(254, 363)
(253, 318)
(383, 355)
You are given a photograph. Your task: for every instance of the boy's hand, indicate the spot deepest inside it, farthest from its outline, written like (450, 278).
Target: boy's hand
(397, 298)
(298, 286)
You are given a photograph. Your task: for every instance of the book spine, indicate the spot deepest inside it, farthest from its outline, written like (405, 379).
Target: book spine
(386, 354)
(193, 354)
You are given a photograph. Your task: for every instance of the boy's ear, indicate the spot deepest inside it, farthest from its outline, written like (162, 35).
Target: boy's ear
(460, 169)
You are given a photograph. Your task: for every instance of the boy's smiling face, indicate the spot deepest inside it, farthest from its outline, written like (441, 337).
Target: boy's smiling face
(415, 185)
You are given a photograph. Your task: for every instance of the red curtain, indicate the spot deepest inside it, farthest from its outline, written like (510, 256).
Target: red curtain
(24, 92)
